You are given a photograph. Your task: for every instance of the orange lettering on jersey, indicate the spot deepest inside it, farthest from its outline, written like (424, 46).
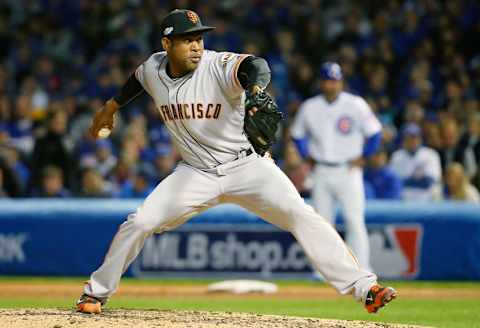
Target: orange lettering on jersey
(180, 112)
(200, 110)
(164, 110)
(185, 109)
(190, 111)
(162, 114)
(218, 109)
(207, 114)
(193, 110)
(169, 115)
(174, 111)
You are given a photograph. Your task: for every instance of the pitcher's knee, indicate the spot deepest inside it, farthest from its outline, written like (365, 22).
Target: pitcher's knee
(142, 223)
(299, 215)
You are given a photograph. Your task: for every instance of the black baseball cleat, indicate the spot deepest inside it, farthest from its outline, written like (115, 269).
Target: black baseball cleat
(378, 296)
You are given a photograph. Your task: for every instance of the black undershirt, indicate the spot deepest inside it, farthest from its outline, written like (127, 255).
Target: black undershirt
(253, 71)
(130, 90)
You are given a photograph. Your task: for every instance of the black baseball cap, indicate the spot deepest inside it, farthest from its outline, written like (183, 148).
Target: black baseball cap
(182, 21)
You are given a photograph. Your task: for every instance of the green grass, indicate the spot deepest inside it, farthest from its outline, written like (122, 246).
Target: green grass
(429, 312)
(195, 282)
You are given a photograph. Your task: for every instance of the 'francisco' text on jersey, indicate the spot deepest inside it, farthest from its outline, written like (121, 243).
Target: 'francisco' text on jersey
(190, 111)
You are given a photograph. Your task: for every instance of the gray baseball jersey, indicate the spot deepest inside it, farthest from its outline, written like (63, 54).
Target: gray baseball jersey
(209, 131)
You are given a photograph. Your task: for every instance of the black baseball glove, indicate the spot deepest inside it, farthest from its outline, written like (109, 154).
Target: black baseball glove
(261, 128)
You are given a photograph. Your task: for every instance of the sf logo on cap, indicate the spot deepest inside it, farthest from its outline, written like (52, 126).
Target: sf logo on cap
(167, 30)
(193, 17)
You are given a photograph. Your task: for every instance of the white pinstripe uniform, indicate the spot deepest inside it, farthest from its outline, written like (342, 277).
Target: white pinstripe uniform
(336, 133)
(204, 112)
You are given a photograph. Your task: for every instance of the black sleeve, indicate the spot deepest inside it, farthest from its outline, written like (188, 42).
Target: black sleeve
(130, 90)
(253, 71)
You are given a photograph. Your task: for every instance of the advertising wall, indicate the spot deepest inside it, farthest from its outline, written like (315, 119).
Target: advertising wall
(70, 237)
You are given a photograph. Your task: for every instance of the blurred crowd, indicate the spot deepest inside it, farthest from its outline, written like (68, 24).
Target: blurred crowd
(416, 63)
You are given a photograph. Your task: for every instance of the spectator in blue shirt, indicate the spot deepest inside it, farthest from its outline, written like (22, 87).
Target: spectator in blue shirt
(380, 181)
(139, 187)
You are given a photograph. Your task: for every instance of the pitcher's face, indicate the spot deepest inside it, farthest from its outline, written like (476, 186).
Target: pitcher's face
(184, 51)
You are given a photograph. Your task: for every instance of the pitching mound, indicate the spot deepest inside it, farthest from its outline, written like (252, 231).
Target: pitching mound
(56, 318)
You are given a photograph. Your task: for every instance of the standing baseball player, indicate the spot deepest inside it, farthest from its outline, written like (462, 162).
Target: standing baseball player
(203, 97)
(341, 131)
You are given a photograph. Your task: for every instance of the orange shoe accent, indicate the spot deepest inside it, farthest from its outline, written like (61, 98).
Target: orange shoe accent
(379, 296)
(89, 308)
(88, 304)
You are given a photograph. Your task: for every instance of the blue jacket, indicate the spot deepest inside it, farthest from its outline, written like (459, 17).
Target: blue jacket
(382, 183)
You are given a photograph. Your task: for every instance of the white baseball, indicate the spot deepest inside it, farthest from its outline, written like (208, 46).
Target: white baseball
(104, 133)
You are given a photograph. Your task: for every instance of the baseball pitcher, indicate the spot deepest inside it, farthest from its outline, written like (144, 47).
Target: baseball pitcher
(221, 121)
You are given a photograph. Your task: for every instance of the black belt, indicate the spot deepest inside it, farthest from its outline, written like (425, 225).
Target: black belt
(330, 164)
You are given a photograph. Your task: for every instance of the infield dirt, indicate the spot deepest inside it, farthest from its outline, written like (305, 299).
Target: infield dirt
(56, 318)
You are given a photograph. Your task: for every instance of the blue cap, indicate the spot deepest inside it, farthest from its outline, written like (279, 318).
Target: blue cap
(412, 129)
(331, 71)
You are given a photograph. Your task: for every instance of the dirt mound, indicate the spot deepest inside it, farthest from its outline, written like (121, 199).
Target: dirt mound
(56, 318)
